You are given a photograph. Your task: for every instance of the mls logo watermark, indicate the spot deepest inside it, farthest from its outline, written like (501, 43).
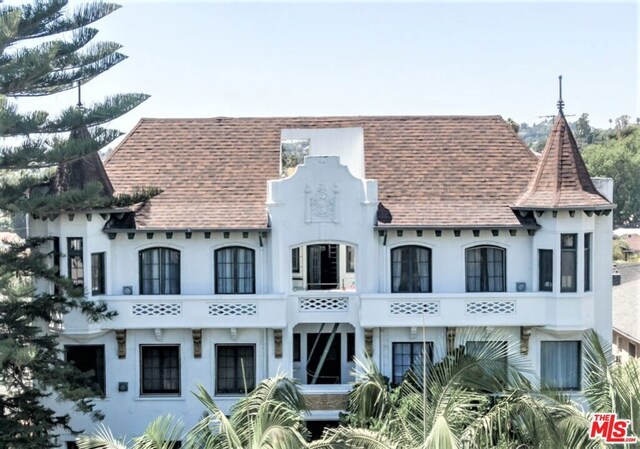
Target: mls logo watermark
(611, 429)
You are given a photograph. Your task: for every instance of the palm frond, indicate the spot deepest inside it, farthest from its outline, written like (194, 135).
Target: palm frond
(162, 433)
(352, 438)
(102, 439)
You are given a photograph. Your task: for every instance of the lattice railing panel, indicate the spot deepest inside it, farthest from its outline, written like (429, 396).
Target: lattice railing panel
(414, 308)
(233, 309)
(324, 304)
(491, 307)
(157, 309)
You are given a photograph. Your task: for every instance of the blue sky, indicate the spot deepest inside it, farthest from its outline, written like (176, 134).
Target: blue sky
(204, 59)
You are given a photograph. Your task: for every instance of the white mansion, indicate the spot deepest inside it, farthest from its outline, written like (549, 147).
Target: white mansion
(294, 244)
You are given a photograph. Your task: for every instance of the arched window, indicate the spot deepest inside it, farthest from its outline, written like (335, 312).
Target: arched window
(235, 270)
(411, 269)
(159, 271)
(486, 269)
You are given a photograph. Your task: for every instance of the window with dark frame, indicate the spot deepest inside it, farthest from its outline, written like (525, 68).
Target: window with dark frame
(351, 260)
(295, 260)
(560, 364)
(75, 257)
(56, 261)
(568, 262)
(159, 271)
(411, 269)
(97, 274)
(235, 366)
(160, 369)
(89, 359)
(632, 350)
(545, 270)
(485, 269)
(296, 347)
(235, 270)
(351, 346)
(407, 354)
(587, 262)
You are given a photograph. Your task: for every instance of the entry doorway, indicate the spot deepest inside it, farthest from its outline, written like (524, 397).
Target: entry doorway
(313, 340)
(324, 346)
(322, 267)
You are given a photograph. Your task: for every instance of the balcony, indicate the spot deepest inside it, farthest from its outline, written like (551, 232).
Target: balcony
(567, 311)
(186, 311)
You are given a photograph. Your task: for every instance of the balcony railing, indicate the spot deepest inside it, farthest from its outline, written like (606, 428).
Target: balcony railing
(316, 306)
(566, 311)
(477, 309)
(190, 311)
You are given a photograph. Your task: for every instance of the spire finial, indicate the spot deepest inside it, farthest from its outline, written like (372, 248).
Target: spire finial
(560, 102)
(79, 105)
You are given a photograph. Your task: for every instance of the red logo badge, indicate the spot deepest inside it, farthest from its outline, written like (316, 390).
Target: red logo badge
(611, 429)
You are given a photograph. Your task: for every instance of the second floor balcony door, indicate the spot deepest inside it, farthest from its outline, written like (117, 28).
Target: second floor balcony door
(322, 267)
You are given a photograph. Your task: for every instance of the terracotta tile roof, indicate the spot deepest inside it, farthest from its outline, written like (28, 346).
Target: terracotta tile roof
(561, 180)
(432, 171)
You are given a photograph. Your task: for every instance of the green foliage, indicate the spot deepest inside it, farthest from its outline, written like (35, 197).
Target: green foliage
(45, 50)
(619, 158)
(535, 136)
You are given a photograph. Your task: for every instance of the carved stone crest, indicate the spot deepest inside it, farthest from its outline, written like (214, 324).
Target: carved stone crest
(321, 204)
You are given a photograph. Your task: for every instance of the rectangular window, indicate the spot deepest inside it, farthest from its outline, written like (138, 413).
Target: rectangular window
(295, 260)
(236, 369)
(545, 270)
(75, 258)
(568, 266)
(351, 261)
(56, 261)
(560, 364)
(632, 350)
(587, 262)
(160, 369)
(97, 274)
(406, 355)
(296, 347)
(89, 359)
(351, 346)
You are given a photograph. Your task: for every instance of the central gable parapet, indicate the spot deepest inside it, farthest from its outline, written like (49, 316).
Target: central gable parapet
(321, 191)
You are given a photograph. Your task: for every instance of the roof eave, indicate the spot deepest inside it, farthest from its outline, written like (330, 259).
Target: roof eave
(450, 226)
(564, 208)
(181, 229)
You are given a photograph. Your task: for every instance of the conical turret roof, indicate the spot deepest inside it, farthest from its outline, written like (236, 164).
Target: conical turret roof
(561, 179)
(80, 172)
